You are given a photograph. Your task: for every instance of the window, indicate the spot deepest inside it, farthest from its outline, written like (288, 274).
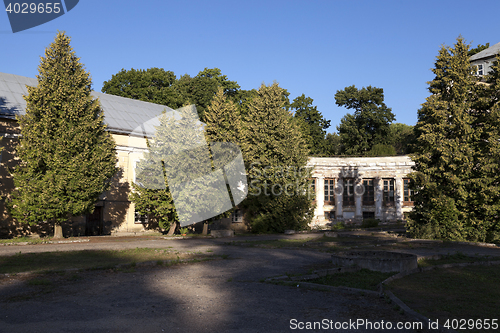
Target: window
(330, 216)
(237, 216)
(348, 199)
(368, 215)
(389, 192)
(329, 191)
(407, 193)
(140, 219)
(480, 70)
(369, 193)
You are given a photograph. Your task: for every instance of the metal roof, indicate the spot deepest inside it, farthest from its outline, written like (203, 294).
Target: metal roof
(122, 115)
(489, 52)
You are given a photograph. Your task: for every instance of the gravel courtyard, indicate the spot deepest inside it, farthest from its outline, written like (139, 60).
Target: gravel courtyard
(223, 295)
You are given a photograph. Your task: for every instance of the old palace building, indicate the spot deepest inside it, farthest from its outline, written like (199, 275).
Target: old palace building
(356, 188)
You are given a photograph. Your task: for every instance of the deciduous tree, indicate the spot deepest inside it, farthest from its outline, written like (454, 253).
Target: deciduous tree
(368, 125)
(151, 85)
(313, 124)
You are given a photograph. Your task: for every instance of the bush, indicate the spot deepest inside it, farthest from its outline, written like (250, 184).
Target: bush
(338, 226)
(278, 213)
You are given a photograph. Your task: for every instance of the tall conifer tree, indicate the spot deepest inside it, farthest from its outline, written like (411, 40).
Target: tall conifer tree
(456, 154)
(484, 186)
(67, 157)
(223, 120)
(276, 155)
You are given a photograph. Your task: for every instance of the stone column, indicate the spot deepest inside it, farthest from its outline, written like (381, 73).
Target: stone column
(379, 190)
(339, 190)
(320, 200)
(399, 197)
(358, 199)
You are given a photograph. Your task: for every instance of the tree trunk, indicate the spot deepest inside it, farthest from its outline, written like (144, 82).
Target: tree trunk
(58, 231)
(205, 228)
(172, 229)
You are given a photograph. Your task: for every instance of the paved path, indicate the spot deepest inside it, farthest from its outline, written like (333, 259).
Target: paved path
(215, 296)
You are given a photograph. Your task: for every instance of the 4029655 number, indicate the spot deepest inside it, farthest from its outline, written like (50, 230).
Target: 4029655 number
(471, 324)
(32, 8)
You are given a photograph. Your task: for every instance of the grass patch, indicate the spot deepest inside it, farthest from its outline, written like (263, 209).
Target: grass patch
(88, 259)
(362, 279)
(456, 258)
(28, 240)
(471, 292)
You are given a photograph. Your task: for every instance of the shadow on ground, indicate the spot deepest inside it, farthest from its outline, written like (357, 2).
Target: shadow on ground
(213, 296)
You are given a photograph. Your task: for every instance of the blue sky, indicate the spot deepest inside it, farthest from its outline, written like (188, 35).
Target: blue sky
(310, 47)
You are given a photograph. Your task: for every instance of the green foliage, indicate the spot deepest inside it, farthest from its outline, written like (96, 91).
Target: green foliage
(223, 124)
(258, 121)
(313, 124)
(178, 145)
(153, 85)
(381, 150)
(338, 226)
(230, 88)
(478, 49)
(456, 154)
(403, 138)
(67, 157)
(332, 144)
(156, 203)
(370, 223)
(369, 125)
(223, 120)
(158, 86)
(275, 155)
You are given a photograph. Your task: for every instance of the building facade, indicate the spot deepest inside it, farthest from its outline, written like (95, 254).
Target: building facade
(484, 59)
(351, 189)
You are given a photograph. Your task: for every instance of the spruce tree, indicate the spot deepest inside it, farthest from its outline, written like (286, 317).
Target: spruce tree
(176, 181)
(67, 156)
(223, 120)
(275, 155)
(484, 201)
(456, 154)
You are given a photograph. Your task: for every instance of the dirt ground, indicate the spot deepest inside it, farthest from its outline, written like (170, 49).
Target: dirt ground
(214, 296)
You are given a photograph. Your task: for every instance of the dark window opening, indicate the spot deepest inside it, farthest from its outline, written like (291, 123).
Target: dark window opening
(237, 216)
(330, 216)
(348, 198)
(369, 193)
(368, 215)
